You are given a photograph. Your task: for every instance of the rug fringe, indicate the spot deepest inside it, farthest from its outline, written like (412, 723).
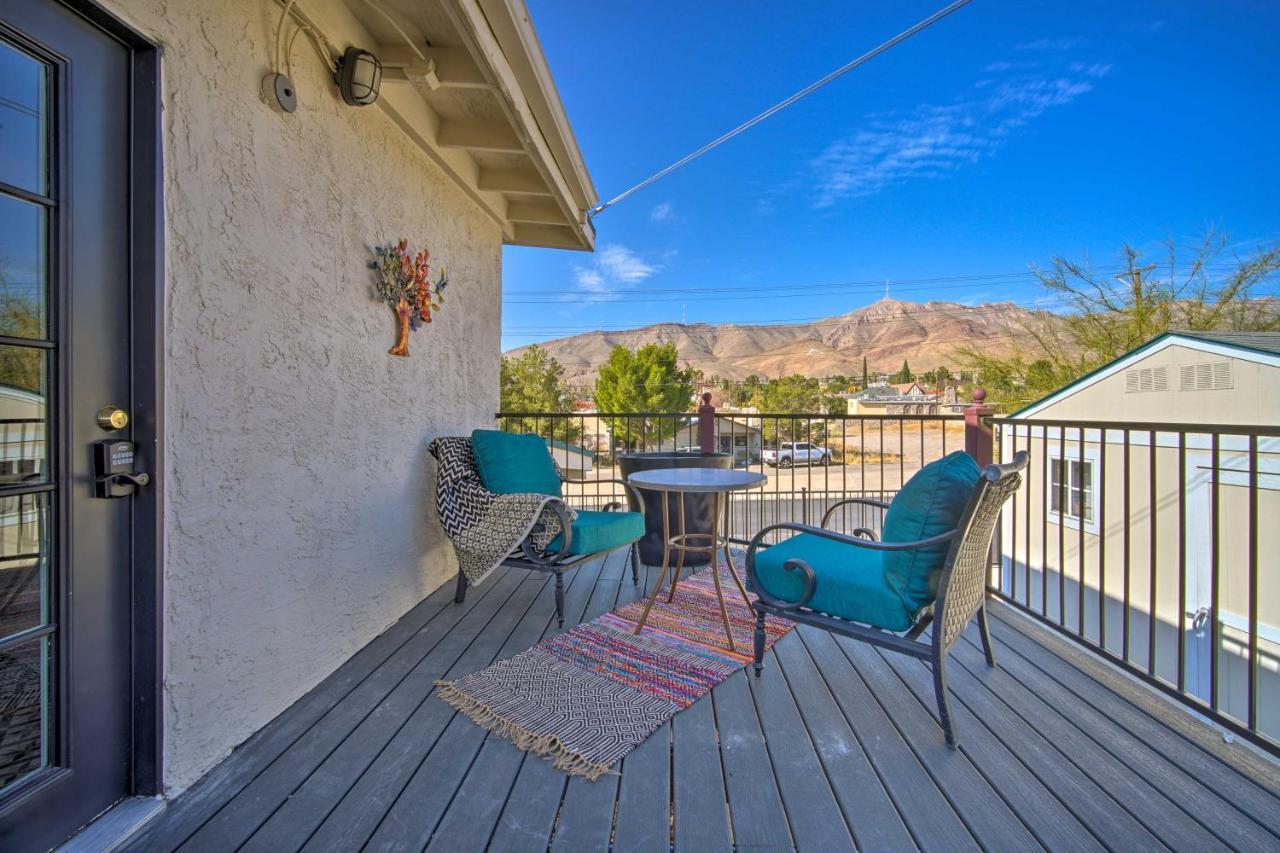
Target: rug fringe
(545, 746)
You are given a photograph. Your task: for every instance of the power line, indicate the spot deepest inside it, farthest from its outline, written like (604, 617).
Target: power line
(679, 294)
(781, 105)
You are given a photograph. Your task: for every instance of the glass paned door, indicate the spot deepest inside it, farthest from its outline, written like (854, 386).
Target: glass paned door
(27, 630)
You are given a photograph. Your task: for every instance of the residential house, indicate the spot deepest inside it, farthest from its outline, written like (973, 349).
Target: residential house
(734, 434)
(212, 226)
(885, 399)
(1152, 505)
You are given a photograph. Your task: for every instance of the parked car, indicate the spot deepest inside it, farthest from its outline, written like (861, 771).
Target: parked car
(797, 453)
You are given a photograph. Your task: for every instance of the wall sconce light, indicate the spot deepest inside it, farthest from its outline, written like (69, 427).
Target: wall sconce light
(358, 77)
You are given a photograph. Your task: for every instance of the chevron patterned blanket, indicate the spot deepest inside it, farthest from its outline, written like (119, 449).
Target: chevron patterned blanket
(483, 527)
(585, 698)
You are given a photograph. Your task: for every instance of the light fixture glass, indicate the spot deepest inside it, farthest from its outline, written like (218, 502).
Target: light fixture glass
(359, 76)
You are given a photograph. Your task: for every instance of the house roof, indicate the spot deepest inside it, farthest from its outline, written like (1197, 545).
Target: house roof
(1268, 342)
(1263, 347)
(467, 82)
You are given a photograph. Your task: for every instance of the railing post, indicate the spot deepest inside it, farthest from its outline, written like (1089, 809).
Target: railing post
(707, 425)
(978, 437)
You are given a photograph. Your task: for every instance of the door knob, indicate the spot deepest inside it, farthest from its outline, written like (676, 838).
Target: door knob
(112, 418)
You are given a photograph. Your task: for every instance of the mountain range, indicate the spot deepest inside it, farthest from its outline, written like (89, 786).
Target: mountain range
(885, 333)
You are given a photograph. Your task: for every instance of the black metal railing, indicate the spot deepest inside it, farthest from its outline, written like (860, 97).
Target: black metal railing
(846, 456)
(1149, 544)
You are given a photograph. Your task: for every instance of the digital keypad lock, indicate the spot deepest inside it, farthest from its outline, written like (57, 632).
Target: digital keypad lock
(113, 474)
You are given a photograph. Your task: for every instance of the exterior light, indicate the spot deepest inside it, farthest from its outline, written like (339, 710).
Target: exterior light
(358, 76)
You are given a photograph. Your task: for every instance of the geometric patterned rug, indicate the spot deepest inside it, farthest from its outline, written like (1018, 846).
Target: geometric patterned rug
(585, 698)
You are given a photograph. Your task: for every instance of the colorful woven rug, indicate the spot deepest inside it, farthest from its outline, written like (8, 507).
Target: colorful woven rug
(587, 697)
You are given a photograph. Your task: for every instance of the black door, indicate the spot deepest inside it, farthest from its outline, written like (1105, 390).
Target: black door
(65, 340)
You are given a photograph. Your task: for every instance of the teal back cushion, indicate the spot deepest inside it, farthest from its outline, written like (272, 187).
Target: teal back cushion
(929, 503)
(510, 463)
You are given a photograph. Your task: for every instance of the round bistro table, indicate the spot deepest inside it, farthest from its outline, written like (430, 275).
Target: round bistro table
(681, 481)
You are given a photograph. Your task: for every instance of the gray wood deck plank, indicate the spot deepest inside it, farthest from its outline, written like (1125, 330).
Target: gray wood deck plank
(186, 814)
(974, 703)
(756, 814)
(815, 819)
(701, 810)
(1253, 800)
(868, 809)
(1039, 808)
(979, 806)
(305, 809)
(929, 815)
(1194, 797)
(1258, 768)
(1126, 785)
(585, 821)
(411, 793)
(644, 797)
(233, 825)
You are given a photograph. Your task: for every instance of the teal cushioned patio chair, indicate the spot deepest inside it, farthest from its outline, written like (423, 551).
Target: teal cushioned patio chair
(929, 567)
(511, 463)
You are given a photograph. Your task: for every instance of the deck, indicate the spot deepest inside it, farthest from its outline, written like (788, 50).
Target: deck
(835, 747)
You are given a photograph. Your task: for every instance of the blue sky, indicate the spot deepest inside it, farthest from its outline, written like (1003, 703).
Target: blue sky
(1000, 137)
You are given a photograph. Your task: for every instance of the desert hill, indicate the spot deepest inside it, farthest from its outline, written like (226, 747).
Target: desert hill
(885, 332)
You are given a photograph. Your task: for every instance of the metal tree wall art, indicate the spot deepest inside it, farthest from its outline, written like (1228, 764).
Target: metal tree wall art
(402, 279)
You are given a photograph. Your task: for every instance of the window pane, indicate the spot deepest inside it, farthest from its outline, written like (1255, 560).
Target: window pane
(23, 710)
(22, 120)
(1055, 485)
(22, 268)
(23, 424)
(24, 562)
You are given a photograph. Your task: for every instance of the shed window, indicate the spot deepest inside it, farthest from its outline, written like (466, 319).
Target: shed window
(1072, 489)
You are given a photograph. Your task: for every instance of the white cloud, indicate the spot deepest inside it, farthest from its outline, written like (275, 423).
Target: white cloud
(934, 139)
(614, 268)
(1058, 44)
(664, 212)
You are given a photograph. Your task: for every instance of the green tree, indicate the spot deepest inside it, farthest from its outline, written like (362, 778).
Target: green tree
(866, 377)
(798, 395)
(534, 382)
(742, 393)
(903, 375)
(1107, 316)
(648, 379)
(20, 317)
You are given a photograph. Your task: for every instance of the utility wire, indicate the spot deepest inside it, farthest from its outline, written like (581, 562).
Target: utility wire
(781, 105)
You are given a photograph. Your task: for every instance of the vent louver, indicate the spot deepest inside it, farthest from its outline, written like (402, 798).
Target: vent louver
(1141, 380)
(1205, 376)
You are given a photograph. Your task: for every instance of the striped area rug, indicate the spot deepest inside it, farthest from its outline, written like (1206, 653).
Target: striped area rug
(585, 698)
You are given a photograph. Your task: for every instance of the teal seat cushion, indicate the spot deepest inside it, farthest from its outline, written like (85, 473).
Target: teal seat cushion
(930, 503)
(594, 532)
(851, 582)
(511, 463)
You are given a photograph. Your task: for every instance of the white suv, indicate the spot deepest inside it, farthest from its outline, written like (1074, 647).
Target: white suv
(797, 453)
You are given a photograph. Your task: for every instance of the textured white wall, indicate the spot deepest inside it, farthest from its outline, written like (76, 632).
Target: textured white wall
(298, 485)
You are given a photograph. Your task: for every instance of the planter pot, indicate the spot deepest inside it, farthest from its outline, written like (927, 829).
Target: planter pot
(699, 510)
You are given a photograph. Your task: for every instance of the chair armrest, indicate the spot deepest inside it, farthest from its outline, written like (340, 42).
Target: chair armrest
(811, 578)
(826, 516)
(631, 490)
(543, 558)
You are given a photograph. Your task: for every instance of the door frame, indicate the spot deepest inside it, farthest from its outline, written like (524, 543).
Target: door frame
(146, 295)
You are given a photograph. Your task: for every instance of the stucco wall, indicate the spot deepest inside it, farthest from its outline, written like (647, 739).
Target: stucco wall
(297, 517)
